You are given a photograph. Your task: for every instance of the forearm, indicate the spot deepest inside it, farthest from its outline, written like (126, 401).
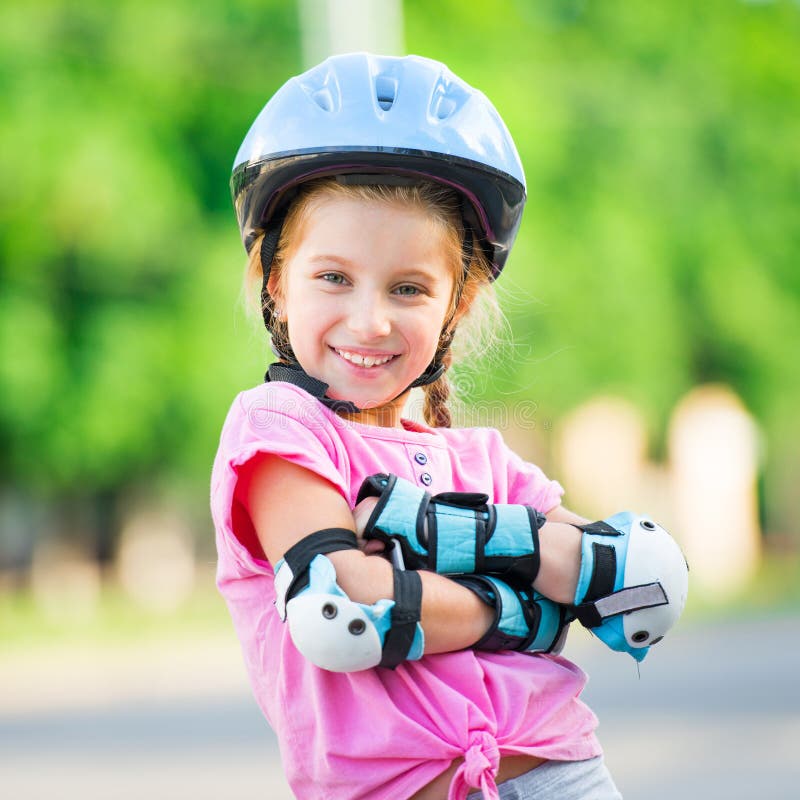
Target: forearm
(559, 561)
(453, 617)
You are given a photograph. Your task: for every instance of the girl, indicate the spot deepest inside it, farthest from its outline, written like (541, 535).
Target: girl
(378, 199)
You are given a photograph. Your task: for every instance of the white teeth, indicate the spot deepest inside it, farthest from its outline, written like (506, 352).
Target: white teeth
(364, 361)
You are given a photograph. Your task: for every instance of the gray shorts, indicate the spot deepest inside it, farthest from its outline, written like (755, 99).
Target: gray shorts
(561, 780)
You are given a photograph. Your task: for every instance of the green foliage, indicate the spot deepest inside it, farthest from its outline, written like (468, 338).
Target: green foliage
(119, 126)
(661, 143)
(659, 247)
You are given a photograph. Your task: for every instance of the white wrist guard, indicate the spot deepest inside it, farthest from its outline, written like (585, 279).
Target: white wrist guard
(331, 630)
(633, 582)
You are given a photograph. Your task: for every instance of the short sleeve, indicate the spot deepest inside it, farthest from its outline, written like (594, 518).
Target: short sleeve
(528, 484)
(277, 419)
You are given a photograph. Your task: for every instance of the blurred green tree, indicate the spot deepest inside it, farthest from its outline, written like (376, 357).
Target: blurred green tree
(660, 242)
(659, 247)
(119, 261)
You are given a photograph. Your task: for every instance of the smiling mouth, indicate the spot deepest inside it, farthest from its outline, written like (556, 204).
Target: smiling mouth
(364, 361)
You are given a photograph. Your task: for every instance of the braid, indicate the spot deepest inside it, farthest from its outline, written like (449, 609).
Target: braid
(435, 410)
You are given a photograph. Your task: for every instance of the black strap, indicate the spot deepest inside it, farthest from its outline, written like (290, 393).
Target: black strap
(301, 554)
(295, 374)
(405, 616)
(269, 244)
(536, 521)
(604, 572)
(600, 528)
(376, 485)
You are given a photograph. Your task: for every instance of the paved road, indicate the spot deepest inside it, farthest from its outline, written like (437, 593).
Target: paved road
(715, 713)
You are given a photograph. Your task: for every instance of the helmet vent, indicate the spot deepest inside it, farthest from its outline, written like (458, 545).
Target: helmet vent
(445, 107)
(323, 99)
(385, 91)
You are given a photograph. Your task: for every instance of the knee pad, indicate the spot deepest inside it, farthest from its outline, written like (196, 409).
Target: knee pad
(331, 630)
(454, 533)
(524, 619)
(633, 582)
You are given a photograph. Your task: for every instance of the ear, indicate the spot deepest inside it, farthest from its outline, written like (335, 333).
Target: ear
(273, 287)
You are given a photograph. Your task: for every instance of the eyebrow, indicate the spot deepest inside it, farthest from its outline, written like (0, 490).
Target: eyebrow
(336, 259)
(412, 272)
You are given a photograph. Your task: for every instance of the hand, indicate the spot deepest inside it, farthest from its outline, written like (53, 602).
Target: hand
(361, 514)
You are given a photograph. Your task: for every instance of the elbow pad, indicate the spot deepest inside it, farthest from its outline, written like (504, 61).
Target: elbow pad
(633, 582)
(524, 619)
(454, 533)
(331, 630)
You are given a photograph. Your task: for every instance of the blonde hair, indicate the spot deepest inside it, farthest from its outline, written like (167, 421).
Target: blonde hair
(473, 287)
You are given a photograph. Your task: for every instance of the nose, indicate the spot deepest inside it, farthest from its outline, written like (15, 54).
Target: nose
(369, 316)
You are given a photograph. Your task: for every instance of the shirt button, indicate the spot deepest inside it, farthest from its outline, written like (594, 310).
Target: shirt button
(426, 478)
(420, 458)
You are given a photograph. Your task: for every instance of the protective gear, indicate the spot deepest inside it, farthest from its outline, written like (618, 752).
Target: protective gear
(454, 532)
(633, 582)
(385, 118)
(524, 619)
(331, 630)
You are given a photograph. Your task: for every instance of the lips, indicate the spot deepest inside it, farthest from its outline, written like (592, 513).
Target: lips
(363, 359)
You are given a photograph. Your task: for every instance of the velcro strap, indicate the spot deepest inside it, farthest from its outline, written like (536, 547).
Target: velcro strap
(406, 614)
(537, 520)
(300, 555)
(600, 528)
(632, 598)
(462, 499)
(604, 572)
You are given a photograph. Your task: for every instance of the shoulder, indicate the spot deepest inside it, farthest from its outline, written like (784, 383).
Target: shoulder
(282, 419)
(271, 408)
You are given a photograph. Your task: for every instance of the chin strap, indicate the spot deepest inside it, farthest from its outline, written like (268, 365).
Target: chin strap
(294, 373)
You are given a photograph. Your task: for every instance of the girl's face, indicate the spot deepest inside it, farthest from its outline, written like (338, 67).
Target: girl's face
(365, 293)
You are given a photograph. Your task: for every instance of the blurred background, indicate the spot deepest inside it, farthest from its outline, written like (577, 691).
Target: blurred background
(653, 301)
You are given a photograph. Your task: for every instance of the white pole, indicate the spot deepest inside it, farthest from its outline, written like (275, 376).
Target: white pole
(329, 27)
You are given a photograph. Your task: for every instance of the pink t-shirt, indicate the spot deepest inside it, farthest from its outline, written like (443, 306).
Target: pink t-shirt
(380, 733)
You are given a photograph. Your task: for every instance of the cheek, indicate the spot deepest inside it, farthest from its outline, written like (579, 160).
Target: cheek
(424, 331)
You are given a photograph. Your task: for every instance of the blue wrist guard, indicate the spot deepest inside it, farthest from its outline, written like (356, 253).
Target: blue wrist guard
(524, 619)
(633, 582)
(454, 533)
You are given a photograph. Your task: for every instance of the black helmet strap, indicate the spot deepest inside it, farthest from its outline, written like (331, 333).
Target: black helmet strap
(269, 246)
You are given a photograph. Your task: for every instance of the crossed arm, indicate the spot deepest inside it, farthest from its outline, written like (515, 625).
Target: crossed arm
(287, 502)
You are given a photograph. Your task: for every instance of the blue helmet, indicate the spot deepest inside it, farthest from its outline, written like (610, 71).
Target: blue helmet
(381, 115)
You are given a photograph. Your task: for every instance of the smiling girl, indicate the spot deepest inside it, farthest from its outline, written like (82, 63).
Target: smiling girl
(398, 592)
